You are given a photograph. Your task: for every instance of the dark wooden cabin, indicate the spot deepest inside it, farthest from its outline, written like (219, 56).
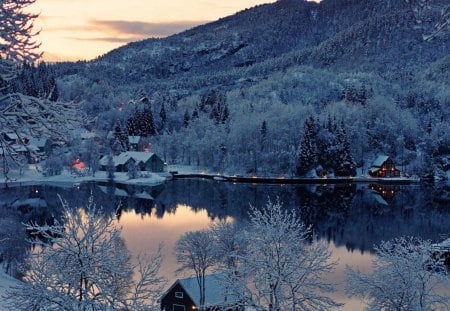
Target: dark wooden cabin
(384, 167)
(184, 295)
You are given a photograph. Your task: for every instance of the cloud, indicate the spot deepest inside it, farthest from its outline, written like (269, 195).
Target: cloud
(109, 39)
(143, 29)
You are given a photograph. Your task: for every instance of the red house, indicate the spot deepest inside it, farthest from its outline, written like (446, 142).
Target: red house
(384, 167)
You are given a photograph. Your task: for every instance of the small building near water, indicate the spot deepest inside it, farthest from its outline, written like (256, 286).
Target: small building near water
(384, 167)
(146, 161)
(184, 295)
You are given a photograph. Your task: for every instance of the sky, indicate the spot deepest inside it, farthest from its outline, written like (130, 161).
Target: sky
(84, 29)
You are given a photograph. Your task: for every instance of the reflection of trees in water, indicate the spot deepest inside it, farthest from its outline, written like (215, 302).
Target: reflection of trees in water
(20, 205)
(351, 216)
(221, 199)
(346, 214)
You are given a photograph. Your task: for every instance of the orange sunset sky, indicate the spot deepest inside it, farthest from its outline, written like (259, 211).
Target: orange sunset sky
(85, 29)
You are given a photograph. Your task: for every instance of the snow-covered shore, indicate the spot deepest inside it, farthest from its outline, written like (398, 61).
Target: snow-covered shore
(32, 176)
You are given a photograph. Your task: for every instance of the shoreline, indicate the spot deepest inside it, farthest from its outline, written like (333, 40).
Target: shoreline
(298, 180)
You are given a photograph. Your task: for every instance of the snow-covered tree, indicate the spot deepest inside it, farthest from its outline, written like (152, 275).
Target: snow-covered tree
(195, 252)
(228, 244)
(83, 264)
(345, 166)
(280, 269)
(110, 169)
(405, 277)
(132, 170)
(419, 9)
(54, 164)
(17, 43)
(24, 116)
(308, 148)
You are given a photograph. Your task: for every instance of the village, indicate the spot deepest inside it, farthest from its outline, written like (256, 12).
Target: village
(136, 160)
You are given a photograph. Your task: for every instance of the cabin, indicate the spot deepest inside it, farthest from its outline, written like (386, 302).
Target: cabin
(384, 167)
(184, 295)
(42, 146)
(121, 162)
(146, 161)
(138, 143)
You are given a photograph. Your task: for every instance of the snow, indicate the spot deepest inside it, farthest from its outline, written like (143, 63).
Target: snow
(214, 290)
(134, 139)
(33, 176)
(126, 156)
(380, 160)
(189, 169)
(6, 283)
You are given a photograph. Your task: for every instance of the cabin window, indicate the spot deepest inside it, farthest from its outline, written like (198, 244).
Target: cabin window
(179, 295)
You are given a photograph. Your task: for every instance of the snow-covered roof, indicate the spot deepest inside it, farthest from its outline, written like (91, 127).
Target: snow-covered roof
(122, 158)
(380, 160)
(12, 136)
(19, 148)
(38, 142)
(374, 169)
(32, 147)
(87, 135)
(215, 292)
(139, 156)
(134, 139)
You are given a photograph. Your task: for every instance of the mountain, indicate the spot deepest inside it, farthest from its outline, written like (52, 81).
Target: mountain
(362, 63)
(348, 34)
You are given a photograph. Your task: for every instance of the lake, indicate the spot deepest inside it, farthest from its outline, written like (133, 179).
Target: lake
(351, 218)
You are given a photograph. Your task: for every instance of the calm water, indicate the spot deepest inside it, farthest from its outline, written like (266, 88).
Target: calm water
(352, 218)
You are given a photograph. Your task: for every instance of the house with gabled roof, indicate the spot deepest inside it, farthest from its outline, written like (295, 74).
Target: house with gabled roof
(146, 161)
(383, 167)
(184, 295)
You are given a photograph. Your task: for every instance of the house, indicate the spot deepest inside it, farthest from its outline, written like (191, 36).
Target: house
(384, 167)
(121, 162)
(146, 161)
(11, 138)
(43, 146)
(138, 143)
(184, 295)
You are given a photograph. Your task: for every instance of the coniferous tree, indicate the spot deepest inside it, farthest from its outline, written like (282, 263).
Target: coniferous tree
(263, 135)
(225, 114)
(110, 169)
(186, 118)
(163, 118)
(146, 123)
(327, 144)
(195, 113)
(119, 141)
(308, 148)
(345, 165)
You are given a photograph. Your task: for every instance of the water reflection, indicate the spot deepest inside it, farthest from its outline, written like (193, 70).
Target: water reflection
(352, 218)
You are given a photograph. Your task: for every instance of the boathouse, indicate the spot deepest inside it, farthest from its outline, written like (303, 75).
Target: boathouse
(184, 295)
(384, 167)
